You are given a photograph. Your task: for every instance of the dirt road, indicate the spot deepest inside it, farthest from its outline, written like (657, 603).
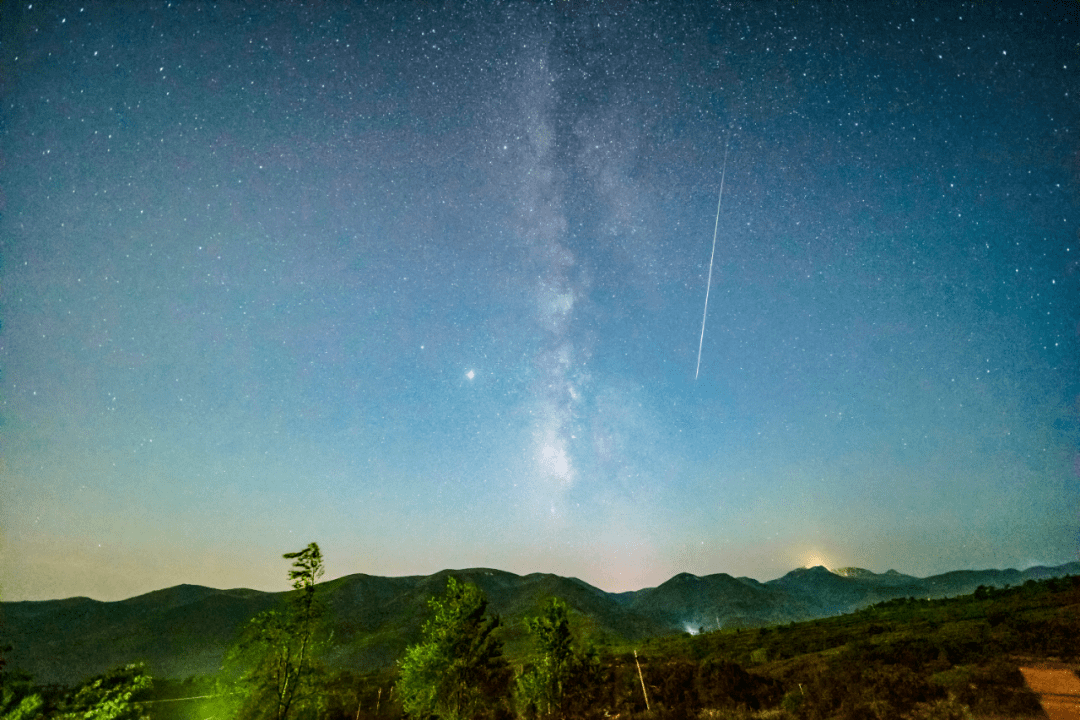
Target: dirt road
(1058, 690)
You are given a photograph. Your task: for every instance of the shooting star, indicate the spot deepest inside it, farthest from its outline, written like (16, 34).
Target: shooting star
(708, 285)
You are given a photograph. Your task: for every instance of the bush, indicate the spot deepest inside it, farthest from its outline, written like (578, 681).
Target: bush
(722, 684)
(996, 688)
(947, 709)
(115, 695)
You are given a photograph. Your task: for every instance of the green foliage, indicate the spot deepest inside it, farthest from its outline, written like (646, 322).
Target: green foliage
(910, 659)
(561, 682)
(27, 707)
(22, 699)
(307, 567)
(4, 649)
(277, 676)
(457, 670)
(112, 696)
(193, 697)
(792, 700)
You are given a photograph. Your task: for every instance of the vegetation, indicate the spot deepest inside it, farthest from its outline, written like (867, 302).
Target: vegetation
(955, 657)
(273, 658)
(457, 671)
(119, 694)
(913, 659)
(563, 679)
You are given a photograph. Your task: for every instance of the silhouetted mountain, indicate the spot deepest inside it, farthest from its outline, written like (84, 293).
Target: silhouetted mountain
(184, 630)
(819, 592)
(376, 618)
(181, 631)
(690, 603)
(890, 577)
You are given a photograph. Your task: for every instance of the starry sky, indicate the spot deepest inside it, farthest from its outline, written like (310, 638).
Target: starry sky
(425, 283)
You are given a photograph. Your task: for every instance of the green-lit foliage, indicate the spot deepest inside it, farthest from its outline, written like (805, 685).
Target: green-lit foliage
(277, 676)
(193, 697)
(26, 707)
(562, 680)
(22, 699)
(908, 658)
(457, 670)
(115, 695)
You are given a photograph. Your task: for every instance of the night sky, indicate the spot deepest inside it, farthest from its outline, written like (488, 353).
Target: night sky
(425, 283)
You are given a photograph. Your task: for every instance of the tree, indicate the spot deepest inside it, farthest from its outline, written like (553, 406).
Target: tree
(3, 650)
(560, 682)
(12, 707)
(723, 684)
(457, 670)
(274, 651)
(112, 696)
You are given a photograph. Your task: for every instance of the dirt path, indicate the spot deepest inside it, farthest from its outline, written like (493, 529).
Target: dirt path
(1058, 690)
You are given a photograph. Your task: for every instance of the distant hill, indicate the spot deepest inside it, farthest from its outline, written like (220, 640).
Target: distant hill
(184, 630)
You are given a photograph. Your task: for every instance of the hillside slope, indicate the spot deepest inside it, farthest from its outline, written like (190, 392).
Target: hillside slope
(184, 630)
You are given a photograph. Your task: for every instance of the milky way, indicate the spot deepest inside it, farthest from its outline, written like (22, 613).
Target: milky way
(424, 284)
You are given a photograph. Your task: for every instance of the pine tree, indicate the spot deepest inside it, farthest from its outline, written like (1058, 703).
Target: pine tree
(274, 653)
(562, 680)
(457, 671)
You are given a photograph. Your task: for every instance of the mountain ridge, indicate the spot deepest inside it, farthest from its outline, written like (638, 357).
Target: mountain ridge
(184, 629)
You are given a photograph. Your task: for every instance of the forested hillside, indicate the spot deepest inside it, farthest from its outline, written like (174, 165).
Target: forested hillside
(907, 657)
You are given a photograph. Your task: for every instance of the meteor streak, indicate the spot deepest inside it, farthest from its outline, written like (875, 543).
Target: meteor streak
(708, 285)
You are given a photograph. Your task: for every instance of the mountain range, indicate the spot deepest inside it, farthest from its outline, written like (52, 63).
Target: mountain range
(185, 630)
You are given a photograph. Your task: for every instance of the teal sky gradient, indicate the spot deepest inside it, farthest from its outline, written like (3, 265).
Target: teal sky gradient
(424, 284)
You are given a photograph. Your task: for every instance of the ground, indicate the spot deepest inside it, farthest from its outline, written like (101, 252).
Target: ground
(1058, 689)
